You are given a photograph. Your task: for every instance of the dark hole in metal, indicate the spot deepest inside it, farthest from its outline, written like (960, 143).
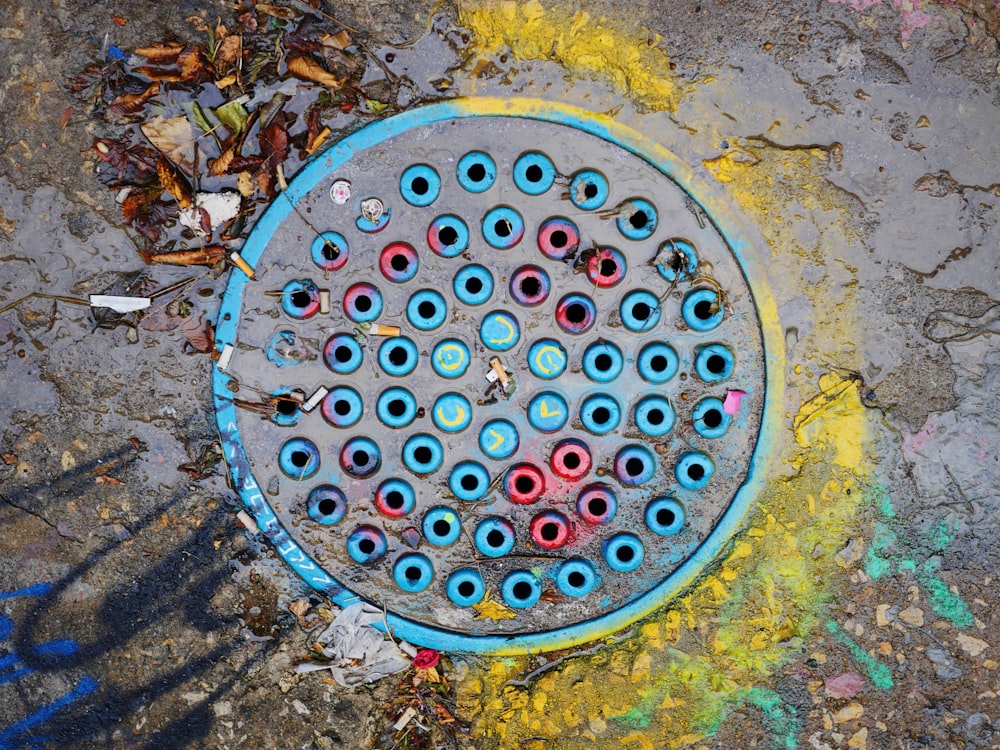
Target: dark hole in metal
(625, 553)
(571, 460)
(476, 172)
(655, 416)
(442, 528)
(300, 298)
(330, 251)
(495, 538)
(559, 238)
(601, 415)
(363, 303)
(286, 406)
(367, 546)
(716, 364)
(448, 235)
(603, 362)
(665, 516)
(419, 185)
(641, 311)
(397, 407)
(576, 579)
(530, 286)
(590, 190)
(502, 228)
(608, 267)
(422, 454)
(638, 219)
(360, 458)
(533, 173)
(394, 499)
(696, 471)
(634, 467)
(412, 573)
(426, 309)
(342, 407)
(398, 356)
(473, 285)
(524, 484)
(658, 363)
(342, 354)
(549, 531)
(326, 506)
(576, 313)
(597, 506)
(469, 482)
(466, 588)
(521, 590)
(712, 418)
(399, 262)
(299, 458)
(703, 309)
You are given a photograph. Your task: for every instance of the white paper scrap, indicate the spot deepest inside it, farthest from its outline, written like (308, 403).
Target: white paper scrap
(119, 304)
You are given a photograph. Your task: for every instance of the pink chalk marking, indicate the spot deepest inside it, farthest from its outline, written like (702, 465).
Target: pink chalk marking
(732, 403)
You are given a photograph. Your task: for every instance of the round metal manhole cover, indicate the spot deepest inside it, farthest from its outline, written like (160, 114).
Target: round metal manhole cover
(500, 352)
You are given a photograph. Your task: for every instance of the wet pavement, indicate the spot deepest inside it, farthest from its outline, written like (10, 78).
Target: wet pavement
(856, 607)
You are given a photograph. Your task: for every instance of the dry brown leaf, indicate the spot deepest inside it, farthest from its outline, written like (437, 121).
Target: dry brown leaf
(220, 165)
(174, 182)
(128, 106)
(174, 138)
(229, 80)
(229, 50)
(160, 54)
(340, 40)
(202, 256)
(285, 14)
(65, 117)
(245, 184)
(194, 67)
(308, 69)
(199, 333)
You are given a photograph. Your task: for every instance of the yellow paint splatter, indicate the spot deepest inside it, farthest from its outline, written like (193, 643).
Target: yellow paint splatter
(586, 47)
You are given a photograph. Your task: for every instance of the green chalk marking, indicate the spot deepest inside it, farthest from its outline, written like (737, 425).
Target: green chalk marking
(942, 600)
(878, 673)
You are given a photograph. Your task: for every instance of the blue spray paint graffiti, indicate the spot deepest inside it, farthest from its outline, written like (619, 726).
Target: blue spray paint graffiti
(21, 735)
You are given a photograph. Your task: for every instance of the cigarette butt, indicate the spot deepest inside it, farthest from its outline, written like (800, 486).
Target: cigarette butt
(280, 174)
(247, 520)
(408, 716)
(378, 330)
(499, 370)
(407, 648)
(320, 137)
(324, 301)
(314, 399)
(225, 357)
(241, 264)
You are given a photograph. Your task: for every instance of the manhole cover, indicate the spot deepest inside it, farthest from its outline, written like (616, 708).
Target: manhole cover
(505, 346)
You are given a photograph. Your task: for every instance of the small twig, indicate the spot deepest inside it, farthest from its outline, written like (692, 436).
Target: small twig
(42, 295)
(556, 662)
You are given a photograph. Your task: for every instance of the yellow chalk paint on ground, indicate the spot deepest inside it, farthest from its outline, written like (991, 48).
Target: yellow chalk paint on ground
(587, 47)
(672, 680)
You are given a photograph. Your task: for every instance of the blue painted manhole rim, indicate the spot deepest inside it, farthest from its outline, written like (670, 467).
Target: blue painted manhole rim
(320, 171)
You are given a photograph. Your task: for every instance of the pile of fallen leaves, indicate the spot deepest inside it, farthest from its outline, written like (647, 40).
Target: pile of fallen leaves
(199, 136)
(422, 715)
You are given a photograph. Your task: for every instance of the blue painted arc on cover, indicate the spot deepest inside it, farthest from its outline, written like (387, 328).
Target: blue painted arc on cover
(716, 212)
